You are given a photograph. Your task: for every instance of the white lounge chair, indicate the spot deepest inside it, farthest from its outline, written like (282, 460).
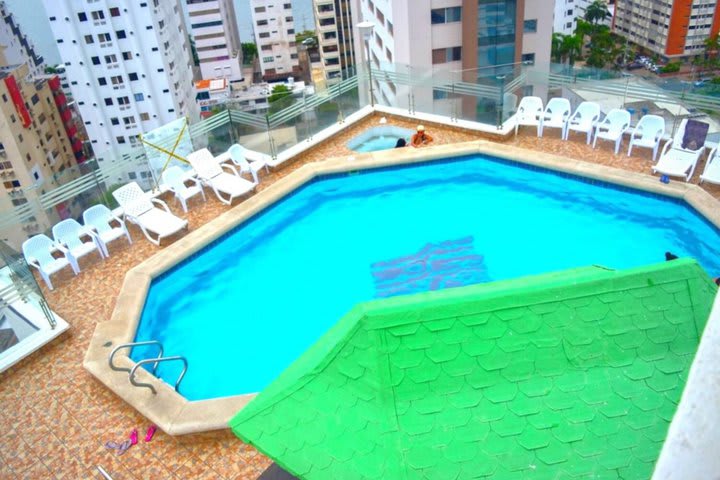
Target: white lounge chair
(99, 218)
(555, 115)
(711, 174)
(38, 251)
(584, 119)
(648, 133)
(238, 156)
(529, 112)
(70, 234)
(155, 223)
(174, 177)
(613, 127)
(681, 153)
(227, 186)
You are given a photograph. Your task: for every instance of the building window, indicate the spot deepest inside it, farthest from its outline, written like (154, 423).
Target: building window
(444, 55)
(264, 35)
(120, 34)
(115, 121)
(102, 81)
(287, 6)
(262, 23)
(132, 76)
(116, 80)
(127, 55)
(103, 37)
(82, 17)
(259, 9)
(123, 100)
(144, 117)
(530, 26)
(129, 120)
(445, 15)
(108, 101)
(95, 60)
(291, 31)
(110, 58)
(528, 58)
(98, 15)
(89, 39)
(139, 97)
(114, 12)
(34, 99)
(216, 23)
(120, 139)
(268, 59)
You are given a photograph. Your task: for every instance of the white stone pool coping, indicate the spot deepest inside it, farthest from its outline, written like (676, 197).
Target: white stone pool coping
(176, 415)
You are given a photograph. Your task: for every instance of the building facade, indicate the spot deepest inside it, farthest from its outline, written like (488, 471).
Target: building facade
(217, 42)
(334, 26)
(274, 28)
(38, 150)
(566, 14)
(673, 28)
(129, 67)
(472, 40)
(15, 48)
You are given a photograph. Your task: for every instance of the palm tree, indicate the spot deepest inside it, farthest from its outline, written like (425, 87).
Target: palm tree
(571, 47)
(597, 12)
(557, 52)
(712, 46)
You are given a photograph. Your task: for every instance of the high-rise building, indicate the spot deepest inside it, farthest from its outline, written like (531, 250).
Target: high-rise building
(274, 28)
(129, 67)
(15, 48)
(214, 30)
(673, 28)
(37, 149)
(474, 38)
(566, 14)
(334, 26)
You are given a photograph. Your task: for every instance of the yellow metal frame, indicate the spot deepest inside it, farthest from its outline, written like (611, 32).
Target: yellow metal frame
(170, 153)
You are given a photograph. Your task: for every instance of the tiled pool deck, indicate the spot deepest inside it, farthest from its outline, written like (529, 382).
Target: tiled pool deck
(55, 417)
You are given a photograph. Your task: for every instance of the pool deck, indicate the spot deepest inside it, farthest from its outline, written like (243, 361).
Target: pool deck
(56, 416)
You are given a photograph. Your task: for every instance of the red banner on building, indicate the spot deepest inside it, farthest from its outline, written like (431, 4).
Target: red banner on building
(18, 100)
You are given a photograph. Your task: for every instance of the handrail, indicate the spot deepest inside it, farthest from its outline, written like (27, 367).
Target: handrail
(157, 360)
(131, 345)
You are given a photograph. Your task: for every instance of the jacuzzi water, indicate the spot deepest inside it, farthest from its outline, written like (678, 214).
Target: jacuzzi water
(243, 309)
(379, 138)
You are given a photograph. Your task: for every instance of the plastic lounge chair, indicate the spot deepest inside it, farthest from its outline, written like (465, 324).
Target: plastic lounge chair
(529, 112)
(711, 174)
(648, 133)
(237, 155)
(681, 153)
(555, 115)
(69, 233)
(613, 127)
(174, 177)
(99, 218)
(38, 250)
(227, 186)
(138, 208)
(586, 116)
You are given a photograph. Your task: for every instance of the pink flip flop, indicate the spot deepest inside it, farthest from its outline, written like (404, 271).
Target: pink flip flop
(150, 432)
(134, 437)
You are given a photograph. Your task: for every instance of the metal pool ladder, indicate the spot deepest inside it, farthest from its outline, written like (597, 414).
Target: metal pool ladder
(155, 361)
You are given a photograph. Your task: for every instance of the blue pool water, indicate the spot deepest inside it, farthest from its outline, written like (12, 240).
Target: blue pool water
(379, 138)
(244, 309)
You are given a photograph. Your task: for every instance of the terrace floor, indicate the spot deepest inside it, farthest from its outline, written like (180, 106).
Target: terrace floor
(56, 417)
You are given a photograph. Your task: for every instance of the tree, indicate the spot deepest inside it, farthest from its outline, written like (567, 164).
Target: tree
(712, 46)
(280, 98)
(556, 49)
(597, 12)
(572, 47)
(602, 48)
(249, 52)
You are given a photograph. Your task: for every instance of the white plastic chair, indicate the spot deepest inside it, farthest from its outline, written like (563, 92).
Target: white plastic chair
(174, 177)
(529, 112)
(711, 173)
(555, 115)
(227, 186)
(613, 127)
(237, 155)
(138, 208)
(70, 234)
(648, 133)
(584, 119)
(38, 251)
(676, 161)
(99, 218)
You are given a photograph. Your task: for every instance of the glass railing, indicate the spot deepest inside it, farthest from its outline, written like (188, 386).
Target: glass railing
(488, 97)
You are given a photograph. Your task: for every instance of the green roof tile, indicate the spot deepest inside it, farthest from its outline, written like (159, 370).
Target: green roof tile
(573, 374)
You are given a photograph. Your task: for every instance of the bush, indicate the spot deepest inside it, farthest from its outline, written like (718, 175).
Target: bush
(671, 67)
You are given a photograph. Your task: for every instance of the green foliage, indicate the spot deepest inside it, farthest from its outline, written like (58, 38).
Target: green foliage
(249, 52)
(50, 70)
(193, 50)
(106, 198)
(566, 47)
(602, 48)
(280, 98)
(597, 12)
(671, 67)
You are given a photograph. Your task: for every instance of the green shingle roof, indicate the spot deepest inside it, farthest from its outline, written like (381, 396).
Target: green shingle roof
(574, 374)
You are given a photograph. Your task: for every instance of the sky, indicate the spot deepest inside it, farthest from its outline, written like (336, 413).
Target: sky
(30, 14)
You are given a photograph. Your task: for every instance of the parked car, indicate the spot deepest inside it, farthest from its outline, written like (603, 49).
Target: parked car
(701, 82)
(634, 66)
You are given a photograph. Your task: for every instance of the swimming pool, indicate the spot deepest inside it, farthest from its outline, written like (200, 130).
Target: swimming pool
(242, 310)
(379, 138)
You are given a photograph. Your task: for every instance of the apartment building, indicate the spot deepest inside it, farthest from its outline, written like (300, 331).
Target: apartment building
(672, 28)
(217, 42)
(334, 26)
(15, 48)
(38, 148)
(129, 66)
(475, 40)
(274, 28)
(566, 14)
